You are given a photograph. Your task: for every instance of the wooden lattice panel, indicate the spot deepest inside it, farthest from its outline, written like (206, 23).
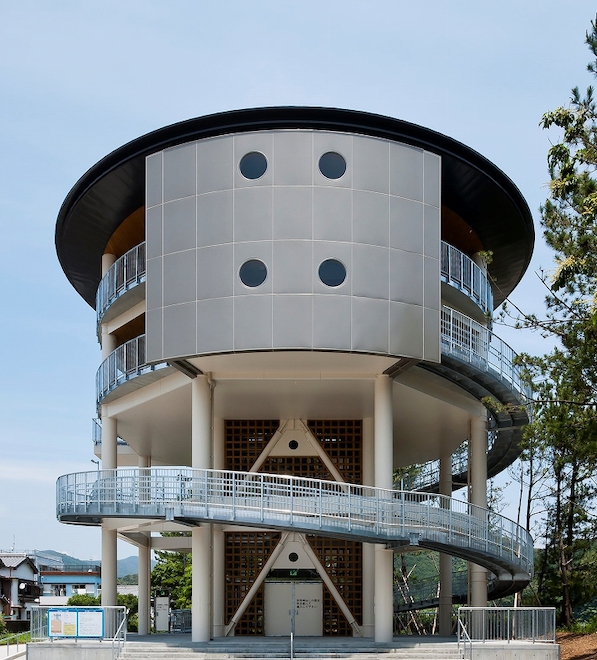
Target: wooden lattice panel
(309, 467)
(246, 554)
(343, 562)
(342, 442)
(245, 440)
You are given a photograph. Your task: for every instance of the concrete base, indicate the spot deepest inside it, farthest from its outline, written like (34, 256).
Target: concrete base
(88, 650)
(515, 651)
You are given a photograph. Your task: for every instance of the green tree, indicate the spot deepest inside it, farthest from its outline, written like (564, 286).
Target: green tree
(564, 429)
(173, 571)
(84, 600)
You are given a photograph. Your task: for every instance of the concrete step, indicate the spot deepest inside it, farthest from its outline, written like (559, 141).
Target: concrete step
(281, 651)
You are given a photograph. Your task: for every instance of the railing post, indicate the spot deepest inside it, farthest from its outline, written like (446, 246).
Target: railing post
(291, 502)
(320, 504)
(262, 495)
(233, 496)
(349, 504)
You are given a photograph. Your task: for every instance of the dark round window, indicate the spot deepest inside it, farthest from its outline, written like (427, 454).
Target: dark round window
(293, 557)
(332, 272)
(293, 444)
(332, 165)
(253, 273)
(253, 165)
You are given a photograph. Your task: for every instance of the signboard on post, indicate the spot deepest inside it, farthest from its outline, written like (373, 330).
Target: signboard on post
(76, 622)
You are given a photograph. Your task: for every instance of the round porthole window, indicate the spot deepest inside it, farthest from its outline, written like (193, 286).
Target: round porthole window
(293, 444)
(332, 165)
(253, 273)
(293, 557)
(332, 272)
(253, 165)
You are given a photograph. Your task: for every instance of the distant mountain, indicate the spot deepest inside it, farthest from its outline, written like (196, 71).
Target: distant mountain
(65, 559)
(126, 566)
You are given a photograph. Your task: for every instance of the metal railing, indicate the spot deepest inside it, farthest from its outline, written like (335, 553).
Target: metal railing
(114, 621)
(13, 644)
(119, 638)
(308, 505)
(471, 342)
(125, 273)
(507, 624)
(422, 475)
(180, 621)
(96, 433)
(461, 272)
(126, 362)
(70, 568)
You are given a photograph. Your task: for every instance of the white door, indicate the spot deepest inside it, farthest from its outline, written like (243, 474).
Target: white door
(309, 608)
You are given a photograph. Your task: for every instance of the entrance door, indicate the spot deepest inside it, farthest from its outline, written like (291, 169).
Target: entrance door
(309, 608)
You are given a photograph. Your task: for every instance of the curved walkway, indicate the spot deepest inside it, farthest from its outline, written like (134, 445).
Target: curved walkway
(328, 508)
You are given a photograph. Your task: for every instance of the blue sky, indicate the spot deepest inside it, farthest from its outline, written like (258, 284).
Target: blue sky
(79, 79)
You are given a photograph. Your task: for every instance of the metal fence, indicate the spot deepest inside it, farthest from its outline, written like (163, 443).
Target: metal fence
(96, 433)
(13, 644)
(469, 341)
(309, 505)
(125, 272)
(462, 272)
(421, 476)
(114, 616)
(180, 621)
(507, 624)
(126, 362)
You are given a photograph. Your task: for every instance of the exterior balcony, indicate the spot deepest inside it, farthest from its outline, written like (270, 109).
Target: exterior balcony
(465, 285)
(123, 286)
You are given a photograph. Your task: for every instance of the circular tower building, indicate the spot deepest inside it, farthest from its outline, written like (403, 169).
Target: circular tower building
(294, 310)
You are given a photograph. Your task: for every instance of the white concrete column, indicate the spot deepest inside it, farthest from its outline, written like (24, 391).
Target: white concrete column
(109, 572)
(219, 581)
(368, 548)
(445, 561)
(478, 496)
(144, 572)
(384, 477)
(384, 594)
(144, 575)
(109, 443)
(108, 342)
(201, 423)
(201, 536)
(219, 435)
(200, 545)
(383, 433)
(107, 261)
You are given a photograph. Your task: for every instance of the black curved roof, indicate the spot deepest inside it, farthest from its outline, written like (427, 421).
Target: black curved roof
(472, 186)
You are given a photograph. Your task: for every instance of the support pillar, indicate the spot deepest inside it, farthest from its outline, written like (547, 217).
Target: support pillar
(144, 572)
(478, 497)
(109, 569)
(384, 477)
(445, 561)
(201, 536)
(144, 575)
(368, 548)
(109, 443)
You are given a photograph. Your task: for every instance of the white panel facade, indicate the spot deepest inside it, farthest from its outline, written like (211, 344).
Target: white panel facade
(380, 219)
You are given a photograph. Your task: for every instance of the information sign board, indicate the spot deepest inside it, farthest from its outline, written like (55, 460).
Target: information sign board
(75, 622)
